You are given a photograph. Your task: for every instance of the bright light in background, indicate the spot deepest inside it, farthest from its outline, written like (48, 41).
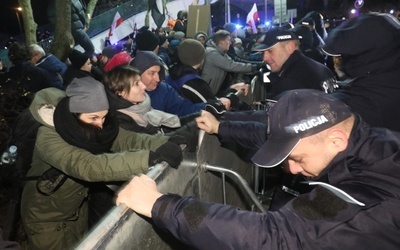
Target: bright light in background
(391, 11)
(238, 26)
(268, 23)
(353, 11)
(19, 9)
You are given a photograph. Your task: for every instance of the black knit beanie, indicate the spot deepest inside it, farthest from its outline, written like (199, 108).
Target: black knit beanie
(147, 40)
(77, 58)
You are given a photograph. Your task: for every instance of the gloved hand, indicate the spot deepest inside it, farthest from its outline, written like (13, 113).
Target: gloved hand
(233, 98)
(215, 107)
(169, 152)
(184, 137)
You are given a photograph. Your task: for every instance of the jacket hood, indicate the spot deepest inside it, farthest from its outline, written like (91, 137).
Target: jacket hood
(44, 103)
(368, 44)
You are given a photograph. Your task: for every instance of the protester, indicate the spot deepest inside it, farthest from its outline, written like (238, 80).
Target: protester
(106, 54)
(181, 21)
(163, 50)
(126, 94)
(201, 37)
(80, 67)
(354, 167)
(79, 143)
(163, 97)
(121, 58)
(176, 39)
(217, 64)
(184, 75)
(48, 62)
(25, 75)
(147, 40)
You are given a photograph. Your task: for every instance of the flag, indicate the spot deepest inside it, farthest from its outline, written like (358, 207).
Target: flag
(157, 8)
(113, 34)
(252, 18)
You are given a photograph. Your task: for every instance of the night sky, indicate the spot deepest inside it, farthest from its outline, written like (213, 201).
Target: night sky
(9, 23)
(8, 19)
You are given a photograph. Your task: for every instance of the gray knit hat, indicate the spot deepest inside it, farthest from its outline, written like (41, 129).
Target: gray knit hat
(191, 52)
(179, 35)
(144, 60)
(86, 95)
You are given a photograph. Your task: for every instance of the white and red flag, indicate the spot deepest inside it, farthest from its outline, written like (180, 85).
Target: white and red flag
(114, 34)
(252, 18)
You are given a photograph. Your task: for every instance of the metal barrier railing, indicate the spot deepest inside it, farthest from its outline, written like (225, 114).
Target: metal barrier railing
(206, 167)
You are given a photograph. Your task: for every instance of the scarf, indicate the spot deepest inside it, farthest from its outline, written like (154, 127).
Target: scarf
(94, 140)
(144, 114)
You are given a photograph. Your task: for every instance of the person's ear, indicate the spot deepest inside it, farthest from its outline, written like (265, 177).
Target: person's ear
(121, 94)
(290, 46)
(338, 139)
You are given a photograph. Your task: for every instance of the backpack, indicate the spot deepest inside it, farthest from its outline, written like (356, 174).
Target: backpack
(23, 135)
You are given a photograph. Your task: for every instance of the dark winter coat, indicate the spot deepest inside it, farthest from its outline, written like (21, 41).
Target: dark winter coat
(166, 99)
(301, 72)
(196, 90)
(368, 170)
(30, 77)
(55, 67)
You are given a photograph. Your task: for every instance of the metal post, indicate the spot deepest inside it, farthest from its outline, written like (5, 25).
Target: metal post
(227, 11)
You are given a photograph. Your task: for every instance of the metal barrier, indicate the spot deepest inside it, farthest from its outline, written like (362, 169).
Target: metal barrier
(123, 229)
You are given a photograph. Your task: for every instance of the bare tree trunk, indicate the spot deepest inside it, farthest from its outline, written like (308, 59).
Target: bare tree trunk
(63, 40)
(89, 11)
(29, 23)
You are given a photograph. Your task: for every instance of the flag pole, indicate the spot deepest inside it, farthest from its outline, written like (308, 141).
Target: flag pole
(265, 11)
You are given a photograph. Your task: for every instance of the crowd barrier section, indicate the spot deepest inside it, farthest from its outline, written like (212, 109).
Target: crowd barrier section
(123, 229)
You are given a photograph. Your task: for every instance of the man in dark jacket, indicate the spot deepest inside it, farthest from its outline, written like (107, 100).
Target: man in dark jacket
(370, 57)
(290, 68)
(24, 74)
(355, 170)
(48, 62)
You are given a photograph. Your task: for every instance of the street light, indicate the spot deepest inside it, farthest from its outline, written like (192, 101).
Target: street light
(19, 9)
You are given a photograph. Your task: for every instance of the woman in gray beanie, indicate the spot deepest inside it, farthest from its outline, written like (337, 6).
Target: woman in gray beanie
(79, 143)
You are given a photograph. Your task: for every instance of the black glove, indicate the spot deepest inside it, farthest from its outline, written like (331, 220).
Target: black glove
(168, 152)
(233, 98)
(215, 107)
(184, 137)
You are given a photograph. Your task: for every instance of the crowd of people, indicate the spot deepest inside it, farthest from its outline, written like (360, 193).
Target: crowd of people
(108, 117)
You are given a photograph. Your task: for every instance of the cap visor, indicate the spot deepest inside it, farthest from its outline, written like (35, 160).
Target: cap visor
(272, 153)
(262, 47)
(327, 50)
